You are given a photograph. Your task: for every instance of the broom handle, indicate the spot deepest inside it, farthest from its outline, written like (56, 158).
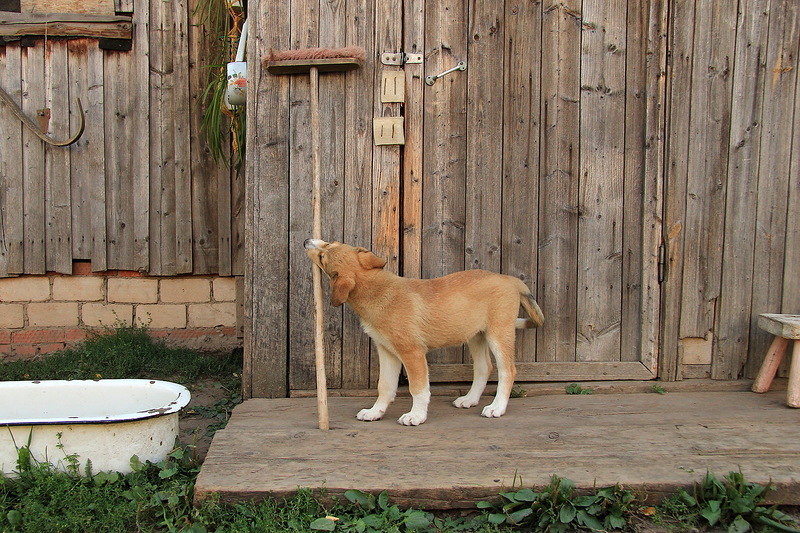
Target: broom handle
(319, 340)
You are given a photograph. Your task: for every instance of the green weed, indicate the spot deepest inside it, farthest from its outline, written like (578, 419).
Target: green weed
(558, 508)
(733, 504)
(574, 388)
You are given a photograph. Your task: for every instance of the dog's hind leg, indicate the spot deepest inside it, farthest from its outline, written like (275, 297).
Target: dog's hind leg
(390, 367)
(481, 368)
(419, 386)
(502, 346)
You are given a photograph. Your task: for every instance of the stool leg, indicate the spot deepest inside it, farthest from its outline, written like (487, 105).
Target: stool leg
(793, 394)
(770, 365)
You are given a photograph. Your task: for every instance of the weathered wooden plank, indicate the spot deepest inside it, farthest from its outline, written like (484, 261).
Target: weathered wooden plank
(210, 181)
(715, 31)
(88, 194)
(521, 134)
(333, 87)
(118, 78)
(484, 161)
(11, 173)
(357, 208)
(58, 228)
(782, 325)
(744, 153)
(33, 98)
(559, 149)
(679, 86)
(140, 141)
(526, 371)
(305, 34)
(779, 108)
(652, 187)
(444, 137)
(181, 124)
(791, 279)
(659, 443)
(65, 25)
(266, 225)
(601, 181)
(123, 6)
(97, 7)
(414, 149)
(163, 160)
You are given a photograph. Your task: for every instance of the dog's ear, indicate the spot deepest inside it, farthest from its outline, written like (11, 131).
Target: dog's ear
(368, 260)
(340, 289)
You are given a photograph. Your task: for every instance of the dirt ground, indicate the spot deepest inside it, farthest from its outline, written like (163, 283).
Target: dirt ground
(201, 414)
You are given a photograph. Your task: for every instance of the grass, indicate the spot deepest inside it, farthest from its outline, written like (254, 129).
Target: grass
(158, 497)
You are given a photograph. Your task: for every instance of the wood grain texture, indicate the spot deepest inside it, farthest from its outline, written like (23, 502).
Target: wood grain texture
(521, 134)
(558, 183)
(659, 443)
(11, 173)
(744, 154)
(33, 162)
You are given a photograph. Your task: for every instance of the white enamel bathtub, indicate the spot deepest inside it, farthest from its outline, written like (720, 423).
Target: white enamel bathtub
(105, 421)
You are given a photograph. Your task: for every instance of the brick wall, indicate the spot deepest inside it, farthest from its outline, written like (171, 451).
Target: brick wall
(42, 314)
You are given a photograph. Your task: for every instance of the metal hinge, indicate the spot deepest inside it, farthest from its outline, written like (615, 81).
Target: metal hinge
(400, 58)
(662, 262)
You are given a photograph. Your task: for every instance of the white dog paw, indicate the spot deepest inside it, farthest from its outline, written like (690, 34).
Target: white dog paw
(492, 411)
(412, 419)
(370, 415)
(465, 402)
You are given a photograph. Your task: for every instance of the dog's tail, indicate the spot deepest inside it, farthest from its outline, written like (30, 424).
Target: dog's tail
(532, 308)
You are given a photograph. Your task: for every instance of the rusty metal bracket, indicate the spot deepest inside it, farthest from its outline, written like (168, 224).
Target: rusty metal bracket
(6, 99)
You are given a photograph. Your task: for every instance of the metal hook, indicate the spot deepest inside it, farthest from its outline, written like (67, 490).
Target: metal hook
(35, 129)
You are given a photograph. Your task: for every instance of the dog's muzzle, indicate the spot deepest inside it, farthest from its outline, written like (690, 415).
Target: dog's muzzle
(310, 244)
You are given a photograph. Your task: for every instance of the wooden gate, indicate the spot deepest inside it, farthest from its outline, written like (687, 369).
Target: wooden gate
(539, 160)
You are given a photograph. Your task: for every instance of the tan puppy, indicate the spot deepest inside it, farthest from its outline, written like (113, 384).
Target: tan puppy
(408, 317)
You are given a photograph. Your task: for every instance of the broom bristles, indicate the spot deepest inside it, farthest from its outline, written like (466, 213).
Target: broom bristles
(354, 52)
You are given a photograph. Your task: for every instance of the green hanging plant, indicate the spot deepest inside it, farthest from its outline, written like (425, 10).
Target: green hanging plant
(223, 128)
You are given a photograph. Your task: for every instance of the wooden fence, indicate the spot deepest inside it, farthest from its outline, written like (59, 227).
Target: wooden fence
(635, 162)
(139, 190)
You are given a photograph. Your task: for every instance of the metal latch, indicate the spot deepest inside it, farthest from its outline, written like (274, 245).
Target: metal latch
(662, 263)
(430, 80)
(400, 58)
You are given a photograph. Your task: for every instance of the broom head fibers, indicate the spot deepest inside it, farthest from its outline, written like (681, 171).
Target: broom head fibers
(325, 59)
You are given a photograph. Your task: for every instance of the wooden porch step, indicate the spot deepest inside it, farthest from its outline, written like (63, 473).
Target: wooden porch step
(646, 441)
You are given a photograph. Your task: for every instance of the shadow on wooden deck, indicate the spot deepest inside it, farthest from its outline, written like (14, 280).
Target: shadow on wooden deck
(646, 441)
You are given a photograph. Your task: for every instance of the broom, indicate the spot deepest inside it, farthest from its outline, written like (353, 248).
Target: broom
(313, 61)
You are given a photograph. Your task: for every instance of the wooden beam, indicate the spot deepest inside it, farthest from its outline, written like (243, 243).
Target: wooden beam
(65, 25)
(581, 371)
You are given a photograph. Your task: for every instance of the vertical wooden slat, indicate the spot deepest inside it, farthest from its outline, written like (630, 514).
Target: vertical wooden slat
(332, 101)
(652, 190)
(305, 34)
(679, 110)
(445, 133)
(266, 284)
(180, 122)
(521, 137)
(11, 173)
(357, 208)
(88, 194)
(33, 98)
(139, 139)
(715, 31)
(58, 229)
(210, 204)
(602, 148)
(414, 149)
(484, 154)
(558, 200)
(773, 181)
(744, 153)
(791, 279)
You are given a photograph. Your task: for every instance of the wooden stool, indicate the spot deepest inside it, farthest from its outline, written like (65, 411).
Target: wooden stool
(785, 328)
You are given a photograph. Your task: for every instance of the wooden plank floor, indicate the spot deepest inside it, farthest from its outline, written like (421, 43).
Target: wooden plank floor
(644, 441)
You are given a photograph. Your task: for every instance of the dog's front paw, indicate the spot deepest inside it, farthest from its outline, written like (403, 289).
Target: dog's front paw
(493, 411)
(369, 415)
(412, 419)
(465, 402)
